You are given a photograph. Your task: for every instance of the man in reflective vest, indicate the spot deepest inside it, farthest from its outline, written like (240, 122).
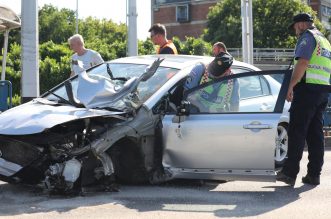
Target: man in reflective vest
(308, 92)
(217, 97)
(159, 38)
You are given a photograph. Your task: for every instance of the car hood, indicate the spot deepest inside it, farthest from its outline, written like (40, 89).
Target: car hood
(40, 114)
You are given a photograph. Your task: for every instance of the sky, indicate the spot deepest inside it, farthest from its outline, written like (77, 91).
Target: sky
(109, 9)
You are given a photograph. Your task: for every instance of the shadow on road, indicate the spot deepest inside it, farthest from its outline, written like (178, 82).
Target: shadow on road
(178, 196)
(262, 202)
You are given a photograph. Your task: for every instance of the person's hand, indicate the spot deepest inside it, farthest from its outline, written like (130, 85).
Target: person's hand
(289, 96)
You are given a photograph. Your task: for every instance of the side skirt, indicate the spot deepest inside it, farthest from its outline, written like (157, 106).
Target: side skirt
(220, 174)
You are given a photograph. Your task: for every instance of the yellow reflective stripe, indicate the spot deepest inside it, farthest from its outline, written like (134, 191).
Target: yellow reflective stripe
(318, 77)
(314, 81)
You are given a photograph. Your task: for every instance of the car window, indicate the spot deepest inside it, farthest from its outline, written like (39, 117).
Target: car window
(251, 92)
(253, 86)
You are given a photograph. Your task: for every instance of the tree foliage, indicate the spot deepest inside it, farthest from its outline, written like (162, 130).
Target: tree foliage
(55, 27)
(193, 46)
(270, 21)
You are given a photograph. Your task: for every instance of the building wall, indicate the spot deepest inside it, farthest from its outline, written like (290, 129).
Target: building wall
(166, 14)
(323, 9)
(164, 11)
(325, 13)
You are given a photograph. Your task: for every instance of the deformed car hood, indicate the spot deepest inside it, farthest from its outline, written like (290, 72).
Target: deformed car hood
(40, 114)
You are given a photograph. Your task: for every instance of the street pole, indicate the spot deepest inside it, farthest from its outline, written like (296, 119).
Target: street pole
(30, 47)
(132, 28)
(4, 57)
(247, 31)
(77, 16)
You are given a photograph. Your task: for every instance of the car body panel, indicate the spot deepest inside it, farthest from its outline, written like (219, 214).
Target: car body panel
(220, 141)
(40, 114)
(226, 144)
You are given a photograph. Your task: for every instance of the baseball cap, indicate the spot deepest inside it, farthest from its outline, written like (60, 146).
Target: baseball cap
(301, 17)
(220, 64)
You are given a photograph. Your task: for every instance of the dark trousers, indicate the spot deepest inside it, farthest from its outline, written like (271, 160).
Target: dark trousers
(306, 125)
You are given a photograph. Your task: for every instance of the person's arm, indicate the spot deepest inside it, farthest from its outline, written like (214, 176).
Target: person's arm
(304, 50)
(298, 72)
(194, 77)
(72, 73)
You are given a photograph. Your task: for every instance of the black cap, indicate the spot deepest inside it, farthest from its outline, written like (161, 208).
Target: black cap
(220, 64)
(301, 17)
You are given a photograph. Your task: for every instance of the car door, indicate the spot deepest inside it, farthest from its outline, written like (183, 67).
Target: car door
(233, 143)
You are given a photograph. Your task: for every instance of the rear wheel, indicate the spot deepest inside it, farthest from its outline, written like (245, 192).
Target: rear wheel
(281, 148)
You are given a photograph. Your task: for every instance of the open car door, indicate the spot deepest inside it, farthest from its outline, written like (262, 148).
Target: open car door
(233, 142)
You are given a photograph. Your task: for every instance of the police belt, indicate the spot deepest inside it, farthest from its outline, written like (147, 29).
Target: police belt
(316, 87)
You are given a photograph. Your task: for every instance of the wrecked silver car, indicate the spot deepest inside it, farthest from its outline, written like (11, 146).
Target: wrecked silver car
(131, 120)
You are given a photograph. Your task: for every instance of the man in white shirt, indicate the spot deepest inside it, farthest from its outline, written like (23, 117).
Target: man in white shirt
(88, 57)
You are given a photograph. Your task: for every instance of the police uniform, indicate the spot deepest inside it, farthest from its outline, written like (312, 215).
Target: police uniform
(310, 97)
(217, 97)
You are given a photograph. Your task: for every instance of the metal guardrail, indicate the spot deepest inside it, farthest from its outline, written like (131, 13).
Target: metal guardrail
(265, 54)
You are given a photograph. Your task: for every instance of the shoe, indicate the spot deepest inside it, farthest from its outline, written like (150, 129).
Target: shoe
(312, 180)
(286, 179)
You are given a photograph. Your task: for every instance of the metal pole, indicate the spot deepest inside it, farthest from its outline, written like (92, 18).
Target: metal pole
(247, 30)
(250, 31)
(30, 47)
(4, 59)
(77, 16)
(244, 31)
(132, 29)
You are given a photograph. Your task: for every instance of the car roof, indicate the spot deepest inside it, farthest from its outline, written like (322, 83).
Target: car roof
(176, 61)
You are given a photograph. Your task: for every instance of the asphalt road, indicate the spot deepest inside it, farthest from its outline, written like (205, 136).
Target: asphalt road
(179, 200)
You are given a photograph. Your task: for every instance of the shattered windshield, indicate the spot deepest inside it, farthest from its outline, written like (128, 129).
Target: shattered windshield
(122, 74)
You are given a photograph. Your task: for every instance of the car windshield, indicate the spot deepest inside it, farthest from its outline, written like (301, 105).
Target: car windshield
(121, 74)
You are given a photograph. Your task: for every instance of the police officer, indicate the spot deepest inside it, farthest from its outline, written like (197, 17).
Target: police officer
(218, 97)
(308, 92)
(159, 37)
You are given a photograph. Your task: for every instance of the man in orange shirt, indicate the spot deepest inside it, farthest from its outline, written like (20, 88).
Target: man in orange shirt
(159, 37)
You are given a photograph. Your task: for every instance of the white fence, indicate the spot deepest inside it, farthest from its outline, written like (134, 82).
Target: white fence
(266, 54)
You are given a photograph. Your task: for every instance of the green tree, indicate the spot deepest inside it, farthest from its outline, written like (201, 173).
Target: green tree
(195, 46)
(55, 25)
(145, 47)
(54, 64)
(270, 21)
(13, 67)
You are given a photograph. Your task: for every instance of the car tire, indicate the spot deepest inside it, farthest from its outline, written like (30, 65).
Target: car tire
(281, 148)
